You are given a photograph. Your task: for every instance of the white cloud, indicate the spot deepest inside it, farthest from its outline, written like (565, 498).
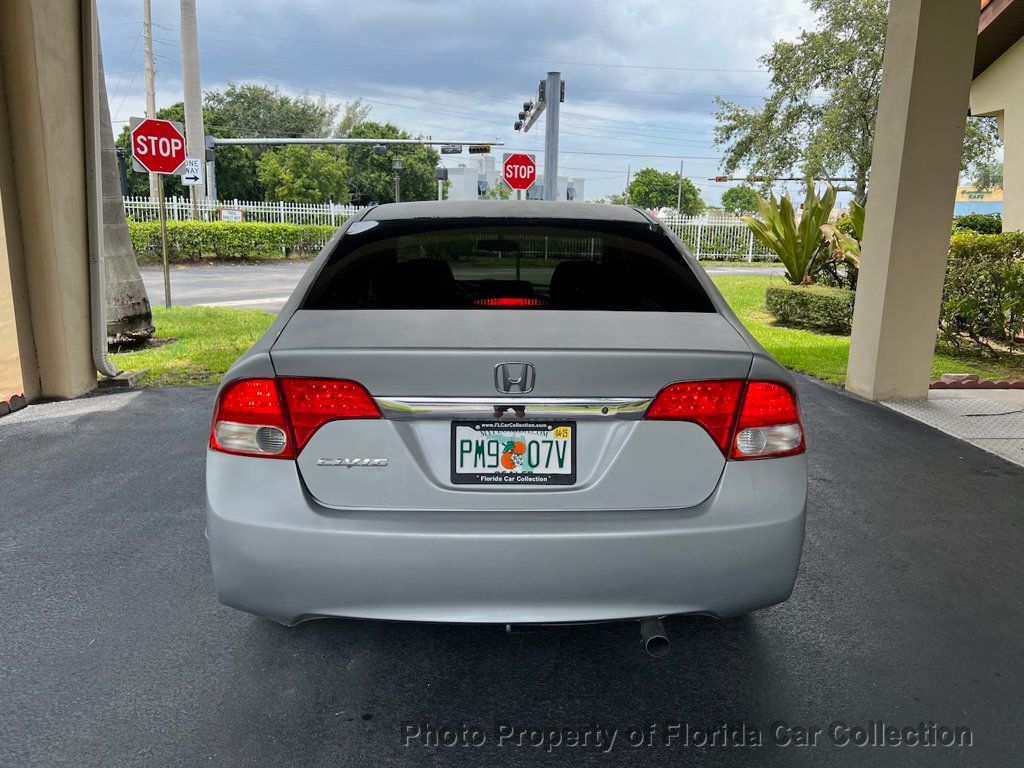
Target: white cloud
(640, 75)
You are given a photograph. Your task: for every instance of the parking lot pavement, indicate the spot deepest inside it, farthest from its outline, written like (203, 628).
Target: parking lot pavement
(115, 652)
(267, 286)
(248, 286)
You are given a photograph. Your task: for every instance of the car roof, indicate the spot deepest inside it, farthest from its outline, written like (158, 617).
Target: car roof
(505, 209)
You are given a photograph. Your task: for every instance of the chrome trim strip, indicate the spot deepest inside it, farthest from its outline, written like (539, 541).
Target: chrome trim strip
(509, 408)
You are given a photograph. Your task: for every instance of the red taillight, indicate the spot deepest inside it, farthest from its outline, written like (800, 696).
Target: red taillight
(250, 420)
(747, 420)
(769, 423)
(275, 418)
(712, 404)
(314, 402)
(510, 301)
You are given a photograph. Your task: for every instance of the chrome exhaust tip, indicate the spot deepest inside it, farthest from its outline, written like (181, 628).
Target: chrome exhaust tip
(654, 639)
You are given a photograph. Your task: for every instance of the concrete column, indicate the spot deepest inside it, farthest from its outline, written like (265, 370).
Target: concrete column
(929, 55)
(44, 227)
(998, 92)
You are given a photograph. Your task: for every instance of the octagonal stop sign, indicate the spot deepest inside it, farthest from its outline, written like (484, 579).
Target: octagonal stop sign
(519, 170)
(158, 146)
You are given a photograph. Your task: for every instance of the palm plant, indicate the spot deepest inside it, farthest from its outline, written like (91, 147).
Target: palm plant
(798, 243)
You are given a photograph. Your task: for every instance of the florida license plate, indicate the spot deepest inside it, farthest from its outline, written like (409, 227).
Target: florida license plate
(514, 453)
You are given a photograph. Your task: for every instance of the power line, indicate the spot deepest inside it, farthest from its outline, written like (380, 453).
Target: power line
(476, 56)
(384, 87)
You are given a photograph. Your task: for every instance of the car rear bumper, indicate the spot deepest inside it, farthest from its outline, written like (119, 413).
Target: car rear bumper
(277, 553)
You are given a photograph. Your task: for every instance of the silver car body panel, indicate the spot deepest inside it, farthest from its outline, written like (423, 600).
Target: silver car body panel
(657, 523)
(276, 552)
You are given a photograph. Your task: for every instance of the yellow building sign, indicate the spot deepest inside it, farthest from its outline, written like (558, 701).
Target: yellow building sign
(982, 196)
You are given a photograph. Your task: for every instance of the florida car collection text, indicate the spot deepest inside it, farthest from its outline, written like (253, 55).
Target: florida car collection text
(873, 733)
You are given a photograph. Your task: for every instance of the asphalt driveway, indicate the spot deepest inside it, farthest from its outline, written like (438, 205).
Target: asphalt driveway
(114, 651)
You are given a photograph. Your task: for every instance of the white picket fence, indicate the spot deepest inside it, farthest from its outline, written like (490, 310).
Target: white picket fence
(718, 238)
(708, 237)
(180, 209)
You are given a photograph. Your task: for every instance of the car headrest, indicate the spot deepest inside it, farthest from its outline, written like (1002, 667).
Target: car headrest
(580, 285)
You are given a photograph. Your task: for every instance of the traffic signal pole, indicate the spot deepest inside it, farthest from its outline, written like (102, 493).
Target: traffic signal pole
(549, 99)
(553, 96)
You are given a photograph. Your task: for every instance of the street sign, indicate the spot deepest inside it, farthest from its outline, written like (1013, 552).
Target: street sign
(519, 170)
(451, 149)
(192, 172)
(158, 146)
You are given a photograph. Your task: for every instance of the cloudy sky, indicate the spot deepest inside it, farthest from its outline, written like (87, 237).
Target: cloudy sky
(640, 75)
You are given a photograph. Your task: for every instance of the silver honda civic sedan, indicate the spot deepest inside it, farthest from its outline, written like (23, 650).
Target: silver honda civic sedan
(511, 412)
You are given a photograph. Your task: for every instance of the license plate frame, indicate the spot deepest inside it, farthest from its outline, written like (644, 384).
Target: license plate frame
(499, 477)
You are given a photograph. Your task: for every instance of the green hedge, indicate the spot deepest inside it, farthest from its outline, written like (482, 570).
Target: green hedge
(818, 307)
(194, 240)
(983, 296)
(982, 223)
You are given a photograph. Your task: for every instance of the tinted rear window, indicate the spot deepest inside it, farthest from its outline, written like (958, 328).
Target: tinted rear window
(481, 264)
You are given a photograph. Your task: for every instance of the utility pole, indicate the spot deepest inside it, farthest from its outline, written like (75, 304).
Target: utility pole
(195, 135)
(629, 180)
(147, 33)
(679, 192)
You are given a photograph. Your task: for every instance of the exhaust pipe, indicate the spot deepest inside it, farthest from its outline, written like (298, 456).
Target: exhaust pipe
(653, 637)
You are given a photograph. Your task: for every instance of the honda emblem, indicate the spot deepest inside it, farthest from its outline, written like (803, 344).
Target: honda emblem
(514, 377)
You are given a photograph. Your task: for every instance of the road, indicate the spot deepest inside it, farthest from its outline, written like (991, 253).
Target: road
(116, 653)
(267, 286)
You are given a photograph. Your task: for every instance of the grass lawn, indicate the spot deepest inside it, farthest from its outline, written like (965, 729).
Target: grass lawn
(741, 263)
(206, 341)
(825, 356)
(196, 345)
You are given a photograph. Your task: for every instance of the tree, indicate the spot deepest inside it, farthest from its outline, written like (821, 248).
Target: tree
(500, 191)
(129, 317)
(371, 179)
(651, 188)
(988, 176)
(256, 110)
(304, 174)
(250, 110)
(740, 200)
(818, 119)
(352, 114)
(613, 199)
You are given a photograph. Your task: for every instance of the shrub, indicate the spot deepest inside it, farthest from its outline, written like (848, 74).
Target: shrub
(829, 310)
(982, 223)
(193, 240)
(983, 296)
(799, 244)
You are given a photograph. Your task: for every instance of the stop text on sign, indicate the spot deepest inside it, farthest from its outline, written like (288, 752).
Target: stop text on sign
(519, 170)
(158, 145)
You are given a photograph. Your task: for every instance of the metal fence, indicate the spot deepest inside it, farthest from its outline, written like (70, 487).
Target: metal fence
(718, 238)
(180, 209)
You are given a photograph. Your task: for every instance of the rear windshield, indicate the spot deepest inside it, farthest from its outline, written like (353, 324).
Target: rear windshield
(478, 264)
